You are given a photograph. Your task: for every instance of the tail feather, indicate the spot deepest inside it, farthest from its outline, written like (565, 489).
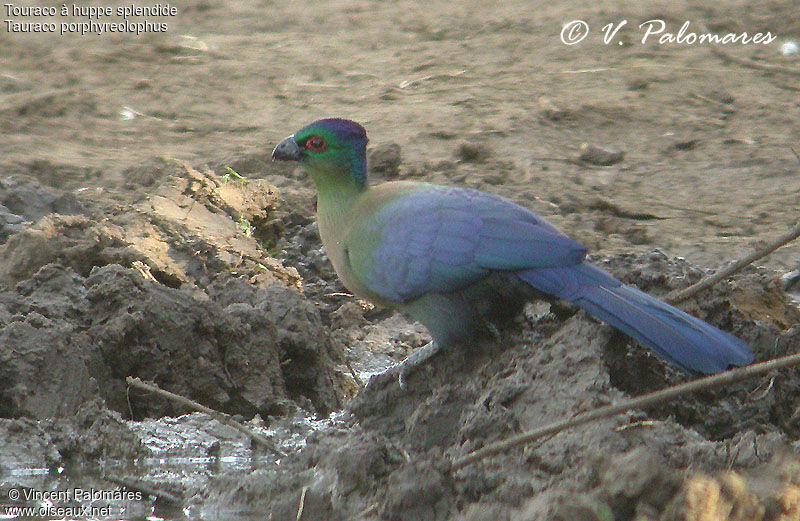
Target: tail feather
(679, 338)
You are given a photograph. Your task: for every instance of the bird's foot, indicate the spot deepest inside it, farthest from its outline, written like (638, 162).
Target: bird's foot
(416, 359)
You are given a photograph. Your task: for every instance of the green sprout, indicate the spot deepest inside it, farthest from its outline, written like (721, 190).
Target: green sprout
(245, 226)
(233, 174)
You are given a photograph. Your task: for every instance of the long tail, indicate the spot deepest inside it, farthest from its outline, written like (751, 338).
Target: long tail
(677, 337)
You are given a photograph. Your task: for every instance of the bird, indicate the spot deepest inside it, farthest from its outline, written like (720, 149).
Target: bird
(459, 260)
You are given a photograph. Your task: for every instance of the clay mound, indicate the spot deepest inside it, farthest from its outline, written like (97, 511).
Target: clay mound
(172, 285)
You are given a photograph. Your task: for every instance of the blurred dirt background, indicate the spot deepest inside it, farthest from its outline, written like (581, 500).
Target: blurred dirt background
(145, 232)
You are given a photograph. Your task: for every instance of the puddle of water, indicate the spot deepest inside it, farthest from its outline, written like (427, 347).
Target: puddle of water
(186, 453)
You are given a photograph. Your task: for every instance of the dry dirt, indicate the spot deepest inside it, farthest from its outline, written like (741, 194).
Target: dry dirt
(145, 232)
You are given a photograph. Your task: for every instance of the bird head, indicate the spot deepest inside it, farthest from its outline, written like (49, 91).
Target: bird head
(332, 151)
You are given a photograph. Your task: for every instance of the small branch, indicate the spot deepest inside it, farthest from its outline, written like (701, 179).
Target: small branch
(24, 99)
(359, 382)
(140, 486)
(639, 402)
(707, 282)
(368, 511)
(721, 104)
(302, 504)
(219, 416)
(746, 62)
(408, 83)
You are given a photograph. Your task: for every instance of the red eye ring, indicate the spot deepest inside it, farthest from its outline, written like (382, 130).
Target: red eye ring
(316, 144)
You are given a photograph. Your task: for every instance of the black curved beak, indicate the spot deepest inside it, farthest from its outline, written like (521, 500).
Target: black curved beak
(287, 150)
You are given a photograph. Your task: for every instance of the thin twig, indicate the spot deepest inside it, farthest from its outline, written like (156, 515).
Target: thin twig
(709, 100)
(368, 511)
(139, 485)
(302, 504)
(753, 64)
(784, 85)
(408, 83)
(359, 382)
(684, 208)
(639, 66)
(639, 402)
(219, 416)
(140, 114)
(770, 67)
(24, 99)
(677, 296)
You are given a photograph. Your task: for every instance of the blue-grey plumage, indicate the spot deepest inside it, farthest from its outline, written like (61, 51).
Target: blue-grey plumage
(456, 259)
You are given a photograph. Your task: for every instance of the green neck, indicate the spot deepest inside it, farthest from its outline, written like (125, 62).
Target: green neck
(336, 195)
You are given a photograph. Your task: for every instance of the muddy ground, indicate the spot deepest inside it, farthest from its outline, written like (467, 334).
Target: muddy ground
(145, 232)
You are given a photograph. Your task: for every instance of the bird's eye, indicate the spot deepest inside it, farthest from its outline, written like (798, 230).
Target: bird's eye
(316, 144)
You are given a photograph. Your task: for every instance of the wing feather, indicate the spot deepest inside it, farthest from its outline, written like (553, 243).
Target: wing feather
(439, 239)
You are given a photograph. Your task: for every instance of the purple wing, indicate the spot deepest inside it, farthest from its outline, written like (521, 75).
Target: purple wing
(440, 239)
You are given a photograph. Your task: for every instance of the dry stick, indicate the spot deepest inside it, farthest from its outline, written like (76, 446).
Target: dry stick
(219, 416)
(24, 99)
(677, 296)
(302, 504)
(770, 67)
(753, 64)
(140, 486)
(639, 402)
